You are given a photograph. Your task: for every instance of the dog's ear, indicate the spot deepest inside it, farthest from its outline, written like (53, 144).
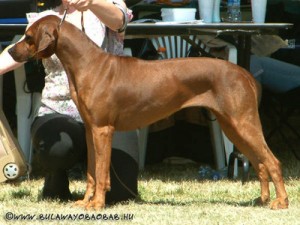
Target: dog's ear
(47, 42)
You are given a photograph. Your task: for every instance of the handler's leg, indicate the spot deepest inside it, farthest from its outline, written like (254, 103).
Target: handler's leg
(57, 154)
(59, 144)
(275, 75)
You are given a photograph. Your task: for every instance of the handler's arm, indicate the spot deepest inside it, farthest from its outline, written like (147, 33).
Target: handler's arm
(110, 14)
(7, 63)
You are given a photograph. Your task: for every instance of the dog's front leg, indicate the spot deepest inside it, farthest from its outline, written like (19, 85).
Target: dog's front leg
(102, 139)
(90, 186)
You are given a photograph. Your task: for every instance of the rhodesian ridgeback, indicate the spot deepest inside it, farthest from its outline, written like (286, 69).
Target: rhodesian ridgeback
(124, 93)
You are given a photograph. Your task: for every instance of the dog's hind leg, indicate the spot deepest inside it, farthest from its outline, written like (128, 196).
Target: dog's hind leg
(100, 165)
(266, 164)
(263, 176)
(246, 134)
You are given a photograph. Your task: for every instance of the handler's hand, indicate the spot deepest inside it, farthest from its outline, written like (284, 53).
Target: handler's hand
(80, 5)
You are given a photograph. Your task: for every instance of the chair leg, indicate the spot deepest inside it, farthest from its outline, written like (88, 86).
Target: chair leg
(231, 162)
(142, 142)
(245, 169)
(235, 155)
(217, 141)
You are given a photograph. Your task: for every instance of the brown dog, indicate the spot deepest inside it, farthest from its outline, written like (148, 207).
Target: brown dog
(125, 93)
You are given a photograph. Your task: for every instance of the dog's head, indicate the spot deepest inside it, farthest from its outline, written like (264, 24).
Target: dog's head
(39, 40)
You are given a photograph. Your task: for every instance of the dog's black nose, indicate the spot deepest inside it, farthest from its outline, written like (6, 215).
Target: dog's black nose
(11, 51)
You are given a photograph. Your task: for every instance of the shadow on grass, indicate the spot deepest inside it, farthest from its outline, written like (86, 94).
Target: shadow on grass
(166, 172)
(19, 194)
(167, 202)
(172, 201)
(175, 202)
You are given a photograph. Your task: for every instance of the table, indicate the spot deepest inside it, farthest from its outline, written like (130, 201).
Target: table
(243, 31)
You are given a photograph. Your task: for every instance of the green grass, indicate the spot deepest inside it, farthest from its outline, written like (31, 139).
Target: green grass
(168, 194)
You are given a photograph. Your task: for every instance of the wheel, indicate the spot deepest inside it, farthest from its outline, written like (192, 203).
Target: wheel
(11, 171)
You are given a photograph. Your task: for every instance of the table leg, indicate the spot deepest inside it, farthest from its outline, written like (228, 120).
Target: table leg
(244, 50)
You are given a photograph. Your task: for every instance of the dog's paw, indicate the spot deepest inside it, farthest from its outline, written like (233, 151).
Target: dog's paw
(94, 205)
(280, 203)
(80, 203)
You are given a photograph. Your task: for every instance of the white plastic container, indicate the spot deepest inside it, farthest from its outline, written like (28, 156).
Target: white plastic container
(178, 14)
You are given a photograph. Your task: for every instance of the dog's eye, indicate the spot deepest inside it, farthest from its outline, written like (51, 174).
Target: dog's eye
(28, 39)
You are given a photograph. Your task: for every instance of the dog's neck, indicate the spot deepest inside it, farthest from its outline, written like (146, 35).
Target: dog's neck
(71, 48)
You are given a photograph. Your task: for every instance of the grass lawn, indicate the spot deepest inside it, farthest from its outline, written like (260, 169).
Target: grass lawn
(168, 194)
